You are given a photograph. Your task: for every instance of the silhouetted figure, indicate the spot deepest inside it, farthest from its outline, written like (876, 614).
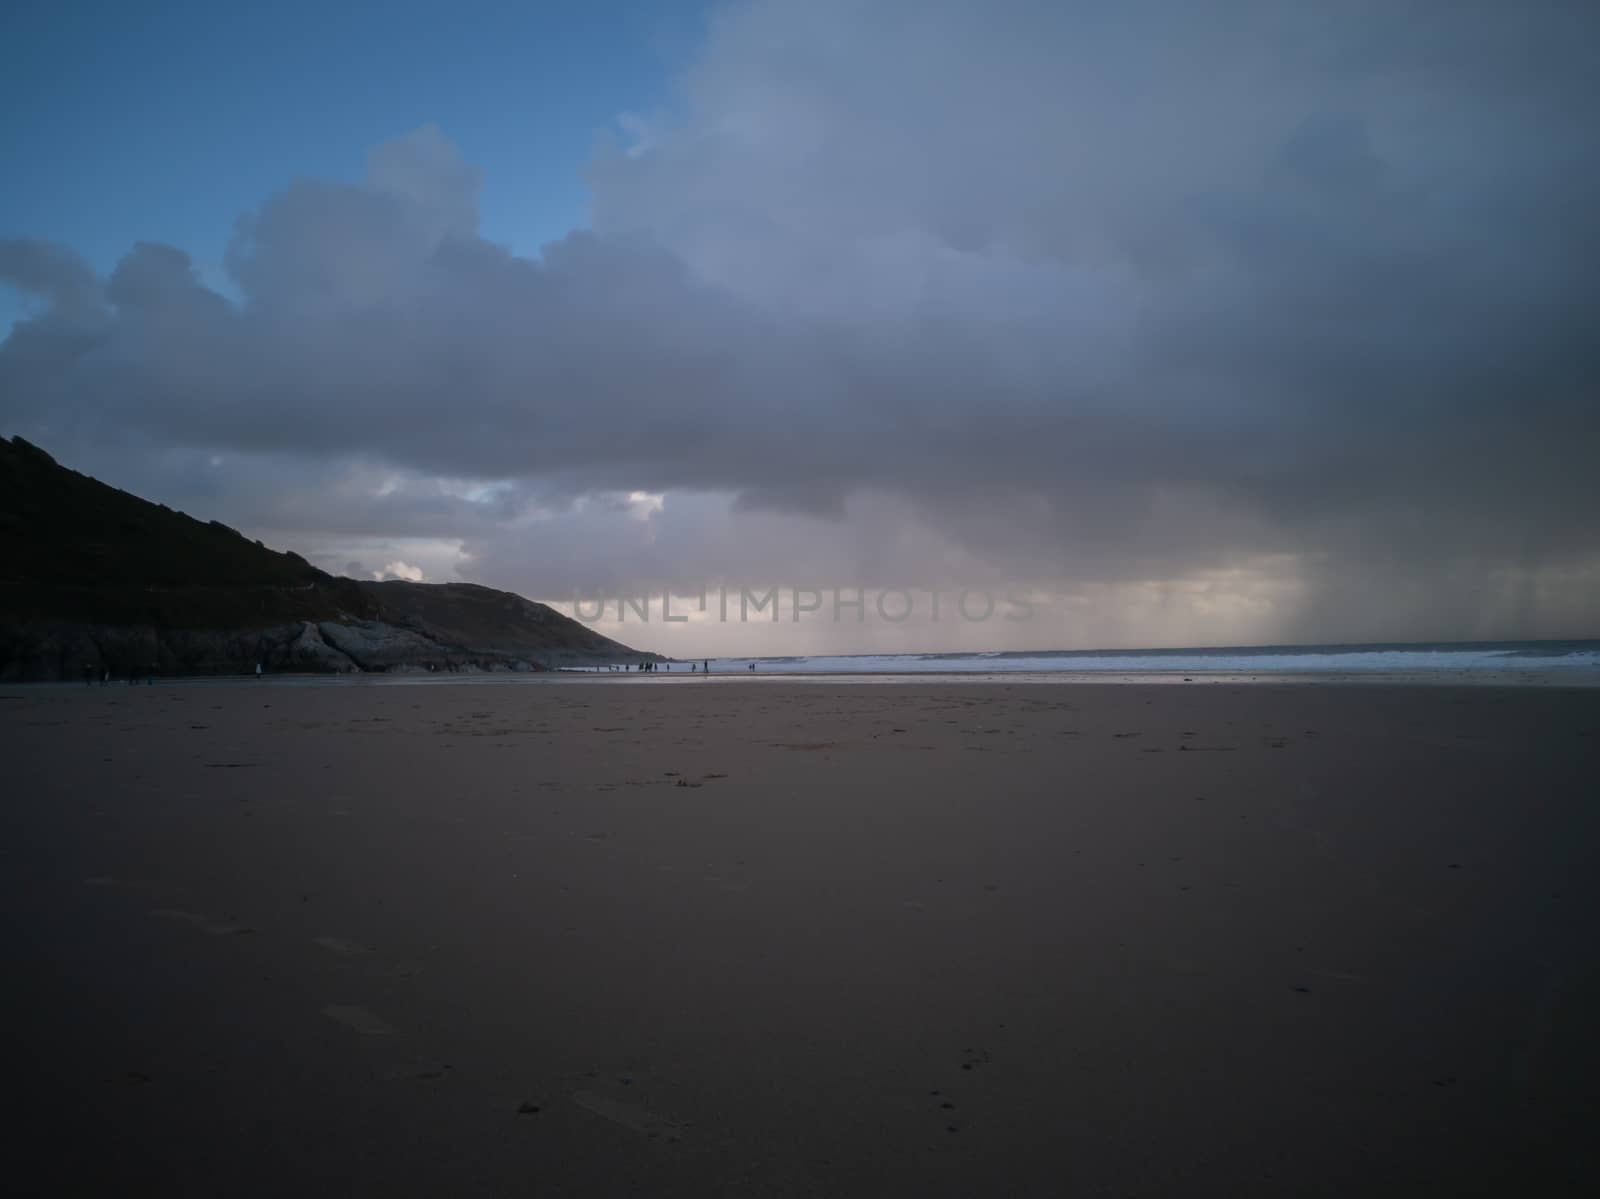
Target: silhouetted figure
(88, 675)
(706, 667)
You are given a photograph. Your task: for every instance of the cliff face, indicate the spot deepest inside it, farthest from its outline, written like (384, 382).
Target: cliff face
(94, 579)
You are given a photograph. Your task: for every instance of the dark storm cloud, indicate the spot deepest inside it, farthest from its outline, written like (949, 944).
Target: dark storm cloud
(1053, 291)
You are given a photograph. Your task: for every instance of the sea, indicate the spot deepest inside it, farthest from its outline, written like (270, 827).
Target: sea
(1574, 662)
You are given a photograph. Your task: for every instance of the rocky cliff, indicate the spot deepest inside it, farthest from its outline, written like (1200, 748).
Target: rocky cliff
(93, 579)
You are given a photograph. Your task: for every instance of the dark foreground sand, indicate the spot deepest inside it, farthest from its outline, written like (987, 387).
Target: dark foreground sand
(910, 939)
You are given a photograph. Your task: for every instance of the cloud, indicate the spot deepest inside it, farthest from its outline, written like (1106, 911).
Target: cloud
(50, 272)
(400, 570)
(1056, 294)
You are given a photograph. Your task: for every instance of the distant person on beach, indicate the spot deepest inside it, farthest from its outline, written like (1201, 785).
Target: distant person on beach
(706, 669)
(752, 666)
(258, 672)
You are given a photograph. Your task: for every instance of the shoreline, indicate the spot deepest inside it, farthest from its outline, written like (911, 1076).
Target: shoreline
(1578, 678)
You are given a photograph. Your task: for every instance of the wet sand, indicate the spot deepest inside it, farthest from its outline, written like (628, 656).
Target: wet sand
(770, 939)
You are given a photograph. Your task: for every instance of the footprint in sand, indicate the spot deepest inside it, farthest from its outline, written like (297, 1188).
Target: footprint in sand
(420, 1071)
(358, 1019)
(345, 949)
(973, 1058)
(630, 1116)
(216, 928)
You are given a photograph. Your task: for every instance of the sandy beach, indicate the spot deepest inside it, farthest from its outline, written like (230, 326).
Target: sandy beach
(597, 938)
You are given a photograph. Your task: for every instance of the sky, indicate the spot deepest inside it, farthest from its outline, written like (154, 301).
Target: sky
(1150, 324)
